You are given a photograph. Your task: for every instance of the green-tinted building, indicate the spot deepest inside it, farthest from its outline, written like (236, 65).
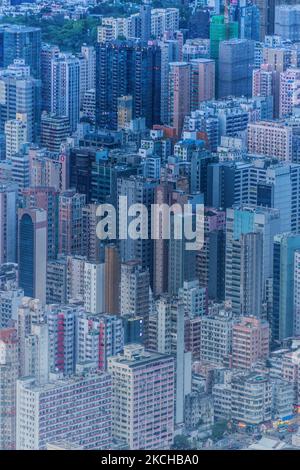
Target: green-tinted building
(220, 30)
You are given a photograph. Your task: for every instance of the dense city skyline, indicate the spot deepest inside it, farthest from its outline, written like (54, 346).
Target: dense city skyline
(150, 225)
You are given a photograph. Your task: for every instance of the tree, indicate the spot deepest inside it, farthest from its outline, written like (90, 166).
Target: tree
(181, 442)
(218, 429)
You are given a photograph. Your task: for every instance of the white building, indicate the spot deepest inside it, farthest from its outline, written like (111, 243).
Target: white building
(94, 301)
(251, 398)
(10, 300)
(65, 88)
(8, 377)
(77, 409)
(143, 398)
(15, 135)
(164, 19)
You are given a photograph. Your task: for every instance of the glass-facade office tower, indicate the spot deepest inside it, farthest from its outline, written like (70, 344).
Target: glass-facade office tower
(32, 244)
(127, 68)
(21, 42)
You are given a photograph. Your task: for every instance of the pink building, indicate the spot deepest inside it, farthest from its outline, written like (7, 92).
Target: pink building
(179, 94)
(250, 342)
(202, 81)
(265, 83)
(270, 138)
(289, 91)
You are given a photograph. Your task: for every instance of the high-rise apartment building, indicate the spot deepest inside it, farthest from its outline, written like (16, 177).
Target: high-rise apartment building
(296, 309)
(250, 342)
(202, 81)
(146, 20)
(267, 17)
(87, 59)
(48, 53)
(8, 377)
(94, 287)
(169, 53)
(249, 256)
(127, 68)
(287, 22)
(54, 131)
(137, 190)
(216, 337)
(264, 83)
(78, 407)
(143, 398)
(135, 292)
(98, 337)
(251, 398)
(179, 94)
(112, 279)
(20, 94)
(61, 320)
(70, 222)
(270, 139)
(65, 88)
(15, 135)
(289, 91)
(164, 20)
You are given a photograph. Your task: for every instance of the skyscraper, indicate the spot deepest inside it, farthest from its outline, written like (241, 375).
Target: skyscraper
(32, 254)
(21, 42)
(145, 15)
(65, 91)
(287, 22)
(248, 258)
(220, 30)
(48, 53)
(8, 222)
(127, 68)
(236, 58)
(112, 279)
(8, 378)
(70, 221)
(138, 395)
(179, 94)
(282, 319)
(20, 94)
(267, 17)
(45, 198)
(202, 81)
(169, 53)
